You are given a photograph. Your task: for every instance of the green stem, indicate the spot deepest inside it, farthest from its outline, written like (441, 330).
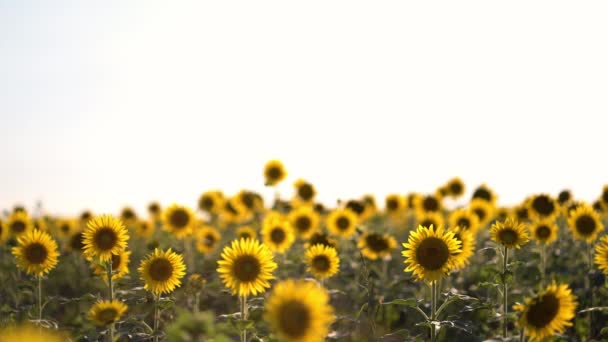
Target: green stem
(197, 302)
(243, 317)
(522, 335)
(111, 297)
(39, 302)
(589, 284)
(505, 308)
(156, 316)
(433, 309)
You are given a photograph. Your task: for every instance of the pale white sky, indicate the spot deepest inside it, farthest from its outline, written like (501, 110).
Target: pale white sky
(107, 103)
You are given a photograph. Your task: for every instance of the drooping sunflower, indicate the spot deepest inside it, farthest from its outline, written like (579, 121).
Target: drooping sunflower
(104, 236)
(36, 252)
(342, 222)
(299, 311)
(509, 233)
(585, 223)
(105, 312)
(430, 253)
(542, 206)
(246, 267)
(211, 202)
(274, 172)
(277, 233)
(393, 204)
(455, 187)
(601, 254)
(30, 333)
(305, 191)
(467, 247)
(322, 261)
(430, 218)
(376, 245)
(304, 220)
(128, 215)
(483, 210)
(321, 238)
(466, 219)
(428, 203)
(120, 266)
(179, 220)
(145, 229)
(484, 193)
(246, 232)
(19, 223)
(207, 239)
(162, 271)
(544, 231)
(547, 314)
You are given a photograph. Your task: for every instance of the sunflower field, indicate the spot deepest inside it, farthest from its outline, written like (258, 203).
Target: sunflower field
(429, 266)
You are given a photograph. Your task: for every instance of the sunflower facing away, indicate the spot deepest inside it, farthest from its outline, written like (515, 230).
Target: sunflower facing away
(467, 247)
(207, 239)
(36, 252)
(430, 253)
(277, 234)
(375, 245)
(120, 266)
(76, 242)
(465, 219)
(246, 266)
(304, 221)
(321, 238)
(246, 232)
(542, 206)
(585, 223)
(510, 233)
(299, 311)
(547, 314)
(162, 271)
(104, 236)
(105, 312)
(322, 261)
(179, 220)
(544, 231)
(342, 222)
(19, 223)
(274, 172)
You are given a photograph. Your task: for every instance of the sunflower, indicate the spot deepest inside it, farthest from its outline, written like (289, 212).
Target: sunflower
(585, 223)
(393, 204)
(39, 224)
(304, 220)
(30, 333)
(162, 271)
(322, 261)
(120, 266)
(277, 233)
(104, 236)
(427, 219)
(376, 245)
(430, 253)
(207, 239)
(76, 242)
(357, 206)
(274, 172)
(36, 252)
(321, 238)
(299, 311)
(521, 213)
(128, 215)
(564, 197)
(105, 312)
(411, 200)
(466, 219)
(509, 233)
(455, 187)
(370, 207)
(179, 220)
(542, 206)
(248, 201)
(305, 191)
(145, 229)
(544, 231)
(4, 233)
(484, 193)
(548, 313)
(232, 212)
(601, 254)
(246, 266)
(211, 202)
(342, 222)
(483, 210)
(467, 246)
(66, 228)
(246, 232)
(502, 213)
(19, 223)
(85, 216)
(428, 203)
(154, 210)
(604, 196)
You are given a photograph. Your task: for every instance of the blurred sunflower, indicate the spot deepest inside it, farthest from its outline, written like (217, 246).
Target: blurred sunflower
(321, 238)
(162, 271)
(232, 213)
(585, 223)
(120, 266)
(39, 224)
(411, 200)
(179, 220)
(66, 228)
(430, 253)
(428, 203)
(105, 312)
(484, 193)
(246, 267)
(466, 219)
(36, 252)
(521, 213)
(455, 187)
(207, 239)
(19, 223)
(542, 206)
(604, 196)
(341, 222)
(601, 254)
(277, 234)
(357, 207)
(246, 232)
(564, 197)
(248, 201)
(76, 242)
(305, 191)
(274, 172)
(322, 261)
(304, 220)
(371, 208)
(547, 314)
(104, 236)
(85, 216)
(299, 311)
(211, 202)
(376, 245)
(502, 213)
(467, 247)
(128, 215)
(544, 231)
(509, 233)
(30, 333)
(4, 233)
(145, 229)
(154, 210)
(483, 210)
(427, 219)
(393, 204)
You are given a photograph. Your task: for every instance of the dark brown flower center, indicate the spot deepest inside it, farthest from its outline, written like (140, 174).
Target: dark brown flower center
(18, 227)
(277, 235)
(35, 253)
(430, 203)
(356, 206)
(464, 223)
(456, 188)
(206, 203)
(432, 253)
(392, 204)
(507, 236)
(209, 240)
(585, 225)
(107, 316)
(376, 242)
(564, 196)
(246, 268)
(543, 310)
(105, 239)
(274, 173)
(179, 218)
(294, 319)
(483, 194)
(303, 223)
(76, 241)
(543, 232)
(306, 191)
(160, 269)
(481, 213)
(543, 205)
(321, 263)
(343, 223)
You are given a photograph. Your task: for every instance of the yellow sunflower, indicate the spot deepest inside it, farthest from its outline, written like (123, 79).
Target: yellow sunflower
(76, 242)
(277, 234)
(120, 266)
(342, 222)
(585, 223)
(66, 228)
(30, 333)
(162, 271)
(542, 206)
(322, 261)
(105, 312)
(376, 245)
(207, 239)
(299, 311)
(85, 216)
(428, 203)
(128, 215)
(393, 204)
(483, 210)
(4, 233)
(604, 196)
(467, 247)
(601, 254)
(411, 200)
(509, 233)
(304, 221)
(484, 193)
(544, 231)
(154, 210)
(211, 202)
(36, 252)
(321, 238)
(248, 201)
(145, 229)
(547, 314)
(246, 266)
(466, 219)
(429, 218)
(305, 191)
(19, 223)
(179, 220)
(246, 232)
(455, 187)
(564, 197)
(274, 172)
(370, 207)
(521, 213)
(104, 236)
(430, 253)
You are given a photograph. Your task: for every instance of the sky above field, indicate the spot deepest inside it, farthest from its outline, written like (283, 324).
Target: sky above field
(109, 103)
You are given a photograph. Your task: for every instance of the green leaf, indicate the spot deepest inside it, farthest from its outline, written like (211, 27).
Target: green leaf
(411, 302)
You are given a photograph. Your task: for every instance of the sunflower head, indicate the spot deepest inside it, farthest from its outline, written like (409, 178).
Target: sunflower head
(105, 312)
(145, 229)
(36, 252)
(299, 311)
(393, 204)
(304, 220)
(19, 223)
(277, 233)
(376, 245)
(509, 233)
(455, 187)
(483, 209)
(305, 191)
(321, 238)
(274, 172)
(211, 202)
(4, 233)
(544, 231)
(342, 222)
(322, 261)
(179, 220)
(246, 267)
(120, 266)
(248, 201)
(484, 193)
(154, 210)
(564, 197)
(467, 247)
(547, 314)
(128, 215)
(542, 206)
(585, 223)
(466, 219)
(246, 232)
(104, 236)
(428, 203)
(430, 218)
(65, 228)
(430, 253)
(207, 239)
(162, 271)
(601, 254)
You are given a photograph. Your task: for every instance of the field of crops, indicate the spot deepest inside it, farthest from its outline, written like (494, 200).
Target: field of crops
(419, 266)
